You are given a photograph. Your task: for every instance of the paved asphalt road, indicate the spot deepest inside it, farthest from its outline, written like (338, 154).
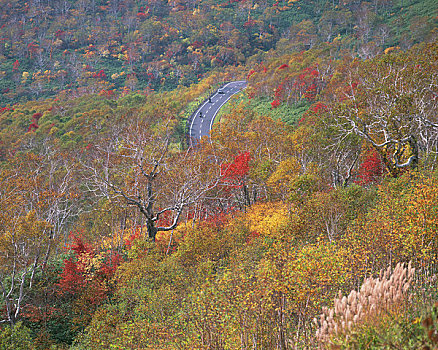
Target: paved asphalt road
(201, 121)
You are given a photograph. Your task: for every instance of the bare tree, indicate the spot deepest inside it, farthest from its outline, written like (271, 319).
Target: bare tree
(138, 165)
(36, 203)
(391, 103)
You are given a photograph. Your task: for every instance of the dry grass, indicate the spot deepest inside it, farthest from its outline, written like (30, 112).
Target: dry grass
(376, 296)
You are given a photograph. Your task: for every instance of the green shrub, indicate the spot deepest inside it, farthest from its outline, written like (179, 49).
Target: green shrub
(16, 338)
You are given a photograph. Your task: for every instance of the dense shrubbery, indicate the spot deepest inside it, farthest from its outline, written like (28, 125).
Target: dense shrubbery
(318, 177)
(124, 46)
(255, 279)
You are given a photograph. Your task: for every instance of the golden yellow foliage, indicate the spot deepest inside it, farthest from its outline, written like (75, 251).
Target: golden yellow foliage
(284, 175)
(267, 219)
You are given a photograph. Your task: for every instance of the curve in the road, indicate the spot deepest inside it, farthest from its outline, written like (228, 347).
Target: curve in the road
(201, 121)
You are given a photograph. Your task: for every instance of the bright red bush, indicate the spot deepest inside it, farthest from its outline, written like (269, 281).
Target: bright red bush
(318, 107)
(16, 65)
(251, 72)
(275, 103)
(371, 169)
(234, 173)
(101, 74)
(81, 271)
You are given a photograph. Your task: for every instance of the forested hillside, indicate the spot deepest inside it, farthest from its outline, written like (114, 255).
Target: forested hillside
(308, 219)
(51, 46)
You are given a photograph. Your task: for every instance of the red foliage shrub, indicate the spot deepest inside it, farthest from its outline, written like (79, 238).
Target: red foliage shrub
(251, 72)
(106, 93)
(5, 109)
(131, 238)
(310, 92)
(279, 90)
(81, 272)
(33, 126)
(307, 83)
(234, 173)
(371, 169)
(37, 116)
(318, 107)
(72, 277)
(275, 104)
(249, 23)
(142, 15)
(59, 33)
(80, 247)
(37, 314)
(16, 65)
(101, 74)
(110, 266)
(32, 47)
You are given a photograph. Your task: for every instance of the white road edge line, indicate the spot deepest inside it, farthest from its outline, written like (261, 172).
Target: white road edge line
(193, 120)
(217, 110)
(214, 116)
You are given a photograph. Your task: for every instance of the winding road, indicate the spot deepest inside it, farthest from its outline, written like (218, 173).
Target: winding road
(201, 121)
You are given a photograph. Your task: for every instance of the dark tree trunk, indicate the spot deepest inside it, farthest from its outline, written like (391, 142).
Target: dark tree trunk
(152, 230)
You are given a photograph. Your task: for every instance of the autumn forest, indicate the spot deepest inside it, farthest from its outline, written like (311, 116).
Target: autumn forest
(307, 220)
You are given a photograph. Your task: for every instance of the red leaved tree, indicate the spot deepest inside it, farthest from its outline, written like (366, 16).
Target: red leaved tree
(85, 279)
(371, 169)
(234, 174)
(275, 104)
(234, 177)
(16, 65)
(34, 125)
